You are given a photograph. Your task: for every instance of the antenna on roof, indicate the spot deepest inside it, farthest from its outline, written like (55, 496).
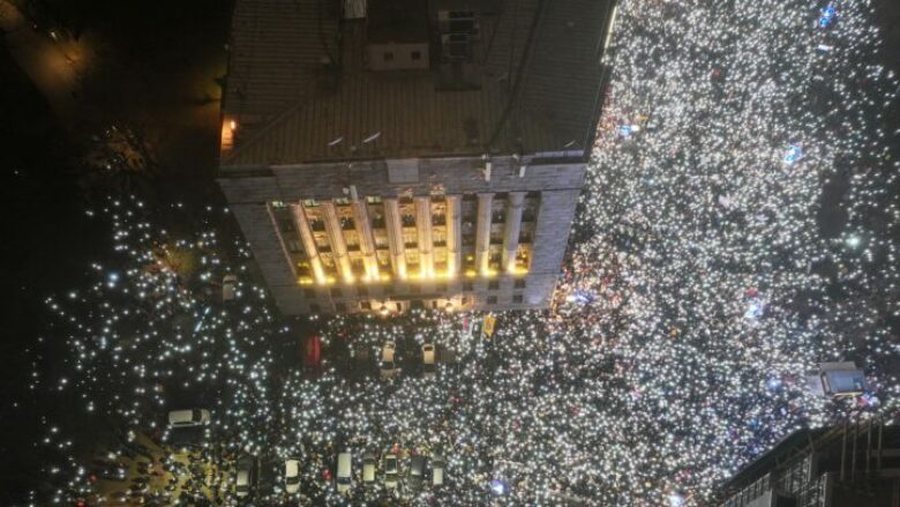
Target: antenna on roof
(569, 144)
(336, 141)
(372, 137)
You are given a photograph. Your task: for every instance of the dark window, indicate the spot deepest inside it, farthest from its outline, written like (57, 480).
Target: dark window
(416, 55)
(365, 305)
(465, 300)
(336, 292)
(363, 291)
(520, 283)
(492, 300)
(517, 298)
(417, 303)
(315, 308)
(341, 307)
(310, 293)
(493, 285)
(414, 289)
(468, 239)
(388, 56)
(441, 287)
(467, 285)
(293, 246)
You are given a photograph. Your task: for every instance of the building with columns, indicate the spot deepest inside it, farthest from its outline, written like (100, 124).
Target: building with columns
(384, 155)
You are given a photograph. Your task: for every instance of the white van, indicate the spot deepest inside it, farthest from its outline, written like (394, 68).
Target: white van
(387, 366)
(188, 418)
(291, 476)
(437, 471)
(369, 468)
(344, 469)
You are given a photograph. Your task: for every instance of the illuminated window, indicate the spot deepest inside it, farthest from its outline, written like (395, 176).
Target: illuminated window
(310, 203)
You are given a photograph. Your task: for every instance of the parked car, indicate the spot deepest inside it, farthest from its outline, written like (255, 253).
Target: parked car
(291, 476)
(229, 288)
(369, 466)
(437, 471)
(416, 472)
(188, 418)
(429, 361)
(387, 365)
(244, 476)
(391, 470)
(344, 471)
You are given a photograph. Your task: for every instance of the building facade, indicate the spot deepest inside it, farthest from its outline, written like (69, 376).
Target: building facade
(852, 465)
(387, 155)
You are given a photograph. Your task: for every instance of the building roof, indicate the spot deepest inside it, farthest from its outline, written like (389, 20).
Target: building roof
(399, 21)
(299, 90)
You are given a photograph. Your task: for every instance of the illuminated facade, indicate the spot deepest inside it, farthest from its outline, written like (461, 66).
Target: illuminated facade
(369, 180)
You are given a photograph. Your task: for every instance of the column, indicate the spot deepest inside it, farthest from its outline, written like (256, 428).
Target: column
(423, 231)
(395, 236)
(366, 239)
(454, 235)
(336, 238)
(511, 230)
(483, 234)
(301, 221)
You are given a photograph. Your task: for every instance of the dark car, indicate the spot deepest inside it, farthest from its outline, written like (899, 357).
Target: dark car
(416, 472)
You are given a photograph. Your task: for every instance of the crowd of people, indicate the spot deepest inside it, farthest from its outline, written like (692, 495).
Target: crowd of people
(738, 227)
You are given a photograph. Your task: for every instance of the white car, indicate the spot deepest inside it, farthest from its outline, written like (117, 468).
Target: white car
(391, 470)
(387, 365)
(243, 477)
(429, 363)
(229, 288)
(437, 471)
(369, 466)
(291, 476)
(344, 469)
(188, 418)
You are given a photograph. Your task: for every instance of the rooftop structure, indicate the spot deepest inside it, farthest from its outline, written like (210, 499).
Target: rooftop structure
(431, 151)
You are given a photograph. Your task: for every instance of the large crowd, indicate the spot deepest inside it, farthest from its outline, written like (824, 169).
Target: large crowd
(738, 227)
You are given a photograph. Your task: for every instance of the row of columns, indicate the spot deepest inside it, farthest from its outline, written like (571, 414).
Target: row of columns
(396, 242)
